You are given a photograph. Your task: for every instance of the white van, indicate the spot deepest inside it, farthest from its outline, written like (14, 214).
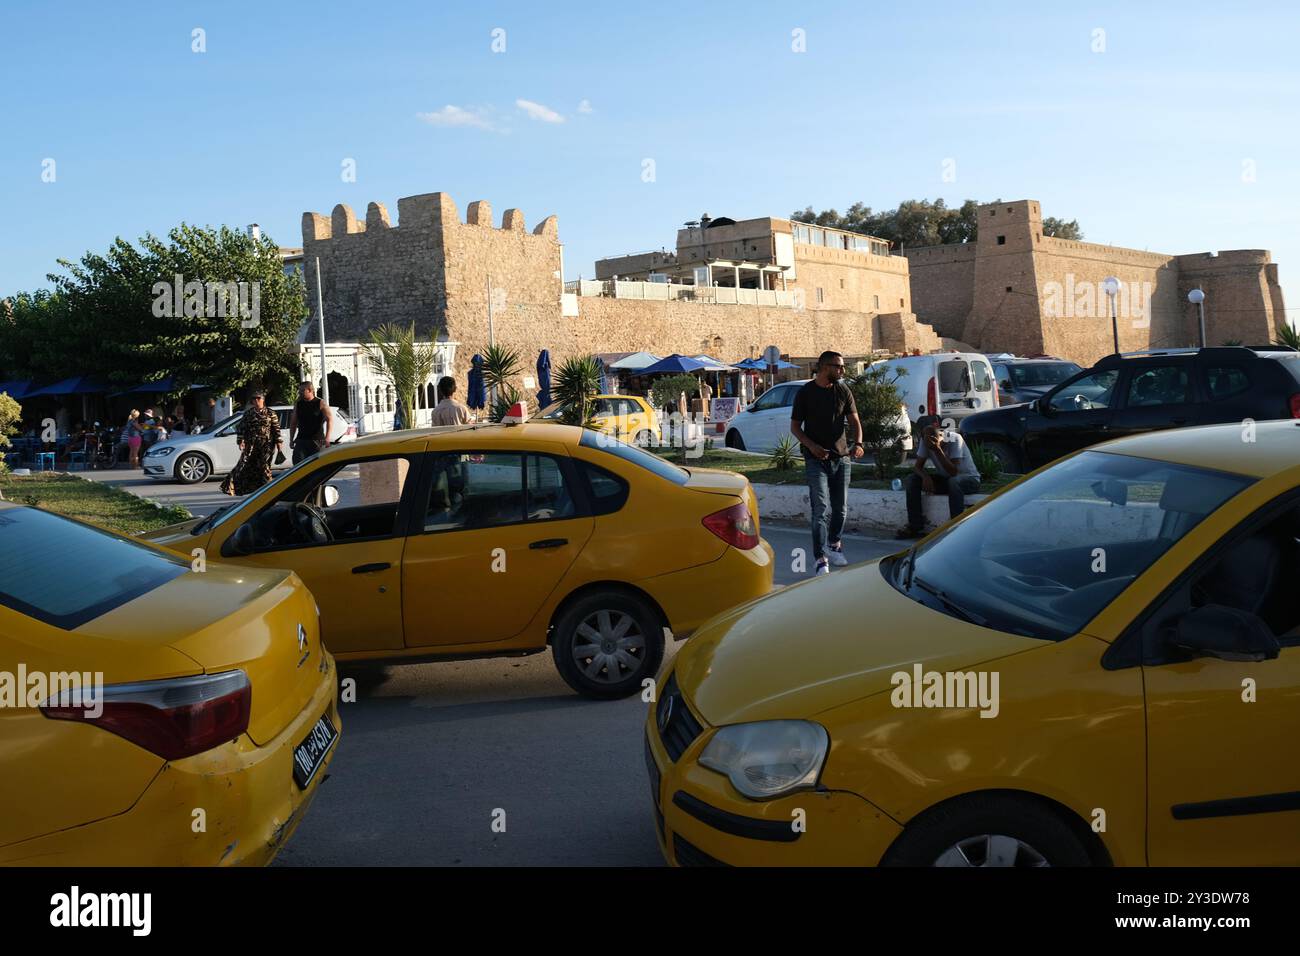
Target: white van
(949, 384)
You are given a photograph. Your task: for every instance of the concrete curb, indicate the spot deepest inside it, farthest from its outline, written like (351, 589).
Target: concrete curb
(870, 512)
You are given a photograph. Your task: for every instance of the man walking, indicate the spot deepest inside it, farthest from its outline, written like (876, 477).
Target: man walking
(310, 423)
(823, 412)
(448, 411)
(955, 474)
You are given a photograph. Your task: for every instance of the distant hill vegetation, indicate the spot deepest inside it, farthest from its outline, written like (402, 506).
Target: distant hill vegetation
(920, 222)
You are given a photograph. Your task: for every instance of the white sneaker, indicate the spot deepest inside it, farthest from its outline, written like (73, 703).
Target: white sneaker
(822, 568)
(837, 557)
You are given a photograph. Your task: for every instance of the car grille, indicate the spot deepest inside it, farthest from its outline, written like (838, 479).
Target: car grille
(678, 727)
(653, 770)
(687, 855)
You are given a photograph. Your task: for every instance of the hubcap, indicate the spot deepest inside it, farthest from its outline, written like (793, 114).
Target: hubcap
(608, 646)
(991, 850)
(193, 469)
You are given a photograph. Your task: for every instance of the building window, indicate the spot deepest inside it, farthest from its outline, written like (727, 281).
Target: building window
(819, 295)
(877, 302)
(841, 283)
(900, 303)
(1008, 288)
(1002, 240)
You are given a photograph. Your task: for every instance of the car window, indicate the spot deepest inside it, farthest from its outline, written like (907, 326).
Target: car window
(472, 490)
(1091, 391)
(954, 376)
(1048, 554)
(608, 491)
(65, 574)
(1042, 374)
(980, 372)
(773, 398)
(633, 455)
(1225, 381)
(1161, 385)
(369, 499)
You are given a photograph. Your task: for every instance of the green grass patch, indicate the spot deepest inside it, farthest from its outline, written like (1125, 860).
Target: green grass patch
(758, 469)
(90, 501)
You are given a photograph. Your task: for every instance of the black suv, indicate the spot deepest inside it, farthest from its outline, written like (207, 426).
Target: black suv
(1140, 392)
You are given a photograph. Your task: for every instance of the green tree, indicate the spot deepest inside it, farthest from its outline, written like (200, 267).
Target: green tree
(1061, 229)
(876, 394)
(665, 391)
(577, 382)
(922, 222)
(1287, 335)
(109, 317)
(395, 354)
(11, 413)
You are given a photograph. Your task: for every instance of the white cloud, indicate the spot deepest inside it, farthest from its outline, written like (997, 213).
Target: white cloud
(539, 112)
(456, 116)
(585, 106)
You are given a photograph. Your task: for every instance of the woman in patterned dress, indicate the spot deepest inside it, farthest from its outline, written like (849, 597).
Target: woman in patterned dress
(259, 438)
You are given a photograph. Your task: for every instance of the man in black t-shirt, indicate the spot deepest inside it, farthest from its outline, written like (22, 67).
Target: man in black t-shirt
(823, 413)
(309, 424)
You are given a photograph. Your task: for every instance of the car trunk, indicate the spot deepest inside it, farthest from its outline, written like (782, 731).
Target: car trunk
(728, 483)
(233, 618)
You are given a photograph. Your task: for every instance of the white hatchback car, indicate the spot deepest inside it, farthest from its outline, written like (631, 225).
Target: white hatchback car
(761, 426)
(191, 459)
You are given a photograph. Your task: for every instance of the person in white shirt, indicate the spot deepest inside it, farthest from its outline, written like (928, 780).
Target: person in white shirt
(448, 411)
(955, 474)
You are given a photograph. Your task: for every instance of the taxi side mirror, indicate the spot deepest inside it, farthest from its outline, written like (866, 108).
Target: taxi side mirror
(331, 496)
(1227, 633)
(239, 543)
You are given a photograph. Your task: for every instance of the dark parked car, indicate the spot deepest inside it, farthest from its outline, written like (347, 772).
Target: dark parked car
(1024, 380)
(1139, 392)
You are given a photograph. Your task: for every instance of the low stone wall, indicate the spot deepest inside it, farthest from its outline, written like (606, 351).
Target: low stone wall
(870, 512)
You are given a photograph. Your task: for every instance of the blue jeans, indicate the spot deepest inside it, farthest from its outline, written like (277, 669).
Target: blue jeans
(956, 488)
(828, 486)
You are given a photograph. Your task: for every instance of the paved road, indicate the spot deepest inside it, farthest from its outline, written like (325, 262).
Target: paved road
(201, 499)
(430, 753)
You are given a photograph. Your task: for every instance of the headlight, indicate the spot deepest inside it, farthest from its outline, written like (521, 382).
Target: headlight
(768, 758)
(159, 452)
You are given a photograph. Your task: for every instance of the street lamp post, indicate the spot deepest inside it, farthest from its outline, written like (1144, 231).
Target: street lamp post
(1111, 285)
(1197, 298)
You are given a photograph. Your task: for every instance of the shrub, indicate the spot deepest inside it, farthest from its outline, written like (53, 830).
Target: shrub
(783, 456)
(986, 463)
(879, 402)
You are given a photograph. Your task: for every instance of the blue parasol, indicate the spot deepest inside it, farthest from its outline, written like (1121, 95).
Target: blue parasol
(477, 397)
(603, 386)
(544, 379)
(673, 364)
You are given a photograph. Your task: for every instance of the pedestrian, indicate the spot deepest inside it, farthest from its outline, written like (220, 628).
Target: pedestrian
(823, 414)
(134, 436)
(259, 439)
(955, 474)
(449, 411)
(312, 420)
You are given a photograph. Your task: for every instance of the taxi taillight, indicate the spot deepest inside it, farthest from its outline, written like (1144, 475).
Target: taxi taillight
(734, 525)
(172, 718)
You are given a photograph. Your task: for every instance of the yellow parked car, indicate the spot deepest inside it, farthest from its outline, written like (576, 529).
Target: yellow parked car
(1100, 664)
(152, 712)
(629, 418)
(471, 541)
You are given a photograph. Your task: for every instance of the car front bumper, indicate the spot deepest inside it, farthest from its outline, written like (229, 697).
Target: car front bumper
(700, 819)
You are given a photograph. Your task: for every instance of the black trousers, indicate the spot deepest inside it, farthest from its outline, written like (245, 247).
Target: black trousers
(306, 447)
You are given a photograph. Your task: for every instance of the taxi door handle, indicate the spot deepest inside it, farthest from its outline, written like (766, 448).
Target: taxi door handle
(549, 543)
(367, 568)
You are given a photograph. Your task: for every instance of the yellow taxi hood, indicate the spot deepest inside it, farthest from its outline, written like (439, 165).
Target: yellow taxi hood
(823, 643)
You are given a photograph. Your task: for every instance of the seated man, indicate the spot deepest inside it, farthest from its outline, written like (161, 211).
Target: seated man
(955, 475)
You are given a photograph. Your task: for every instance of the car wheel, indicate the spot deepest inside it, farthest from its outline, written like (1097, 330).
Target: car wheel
(1007, 458)
(643, 439)
(192, 468)
(607, 643)
(735, 441)
(989, 830)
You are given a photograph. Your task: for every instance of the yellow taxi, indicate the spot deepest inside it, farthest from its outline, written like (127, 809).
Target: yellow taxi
(629, 418)
(1100, 664)
(472, 541)
(153, 710)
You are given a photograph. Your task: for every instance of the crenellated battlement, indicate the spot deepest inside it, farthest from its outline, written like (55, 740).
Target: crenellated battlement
(427, 210)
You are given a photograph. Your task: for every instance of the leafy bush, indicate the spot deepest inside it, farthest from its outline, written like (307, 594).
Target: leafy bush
(577, 382)
(986, 463)
(783, 456)
(879, 402)
(11, 414)
(666, 391)
(1287, 335)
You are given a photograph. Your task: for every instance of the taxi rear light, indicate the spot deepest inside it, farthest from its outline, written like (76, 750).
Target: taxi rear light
(1295, 405)
(171, 718)
(734, 525)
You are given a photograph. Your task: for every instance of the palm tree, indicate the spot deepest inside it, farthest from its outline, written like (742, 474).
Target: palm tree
(1287, 335)
(395, 355)
(577, 382)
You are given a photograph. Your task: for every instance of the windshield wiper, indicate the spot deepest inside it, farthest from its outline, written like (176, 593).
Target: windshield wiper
(211, 518)
(947, 602)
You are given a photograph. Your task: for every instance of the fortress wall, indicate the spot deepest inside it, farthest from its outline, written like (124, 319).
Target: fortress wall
(851, 281)
(943, 285)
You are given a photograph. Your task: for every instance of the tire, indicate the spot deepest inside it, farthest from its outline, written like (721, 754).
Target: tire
(989, 829)
(735, 441)
(192, 468)
(643, 439)
(1007, 457)
(580, 627)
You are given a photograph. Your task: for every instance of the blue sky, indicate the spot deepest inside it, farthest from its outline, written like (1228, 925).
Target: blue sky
(1145, 143)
